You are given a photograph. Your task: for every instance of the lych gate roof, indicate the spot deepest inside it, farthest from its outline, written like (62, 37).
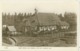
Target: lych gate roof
(11, 28)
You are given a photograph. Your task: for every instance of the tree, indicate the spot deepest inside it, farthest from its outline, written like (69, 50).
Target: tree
(20, 16)
(25, 15)
(71, 19)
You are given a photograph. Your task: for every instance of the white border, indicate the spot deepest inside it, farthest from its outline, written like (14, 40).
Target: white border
(41, 48)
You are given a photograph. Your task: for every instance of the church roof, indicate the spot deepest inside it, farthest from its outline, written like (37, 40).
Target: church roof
(48, 19)
(45, 19)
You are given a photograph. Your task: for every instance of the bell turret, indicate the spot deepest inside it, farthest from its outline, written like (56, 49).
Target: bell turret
(36, 11)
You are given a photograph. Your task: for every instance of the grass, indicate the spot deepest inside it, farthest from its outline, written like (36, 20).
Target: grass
(6, 40)
(51, 40)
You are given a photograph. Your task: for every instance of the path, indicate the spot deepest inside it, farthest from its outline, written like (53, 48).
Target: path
(13, 41)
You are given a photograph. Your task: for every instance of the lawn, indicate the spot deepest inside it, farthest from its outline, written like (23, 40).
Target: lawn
(50, 40)
(6, 40)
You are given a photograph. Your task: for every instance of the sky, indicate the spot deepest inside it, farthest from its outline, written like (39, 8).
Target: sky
(52, 6)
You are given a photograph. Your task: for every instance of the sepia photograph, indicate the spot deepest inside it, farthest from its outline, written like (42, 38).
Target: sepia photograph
(39, 23)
